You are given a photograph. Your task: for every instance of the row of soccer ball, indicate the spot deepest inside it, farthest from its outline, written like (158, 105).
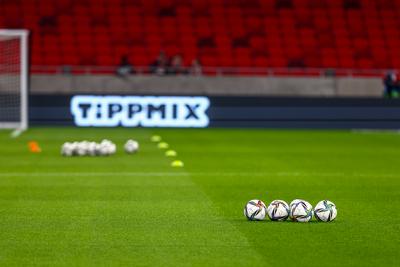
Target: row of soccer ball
(299, 210)
(89, 148)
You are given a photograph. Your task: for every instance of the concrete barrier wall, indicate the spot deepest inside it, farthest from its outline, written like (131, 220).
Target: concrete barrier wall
(189, 85)
(7, 82)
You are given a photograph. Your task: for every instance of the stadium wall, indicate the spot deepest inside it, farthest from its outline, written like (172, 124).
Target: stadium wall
(212, 86)
(268, 102)
(224, 111)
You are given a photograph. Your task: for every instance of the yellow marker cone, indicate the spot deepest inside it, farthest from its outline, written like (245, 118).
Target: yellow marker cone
(170, 153)
(155, 138)
(177, 163)
(163, 145)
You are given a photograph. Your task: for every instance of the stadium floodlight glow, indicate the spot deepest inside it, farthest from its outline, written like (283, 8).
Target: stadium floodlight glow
(145, 111)
(14, 79)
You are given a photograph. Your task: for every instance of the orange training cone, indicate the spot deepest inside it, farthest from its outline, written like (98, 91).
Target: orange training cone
(34, 147)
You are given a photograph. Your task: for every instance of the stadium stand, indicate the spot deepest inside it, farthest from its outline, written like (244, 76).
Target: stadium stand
(344, 34)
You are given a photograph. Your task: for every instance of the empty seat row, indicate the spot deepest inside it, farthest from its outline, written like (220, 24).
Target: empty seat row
(236, 33)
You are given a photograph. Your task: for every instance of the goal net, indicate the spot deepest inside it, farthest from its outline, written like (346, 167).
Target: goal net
(14, 79)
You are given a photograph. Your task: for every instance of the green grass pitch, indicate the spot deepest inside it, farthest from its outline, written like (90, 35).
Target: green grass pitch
(136, 210)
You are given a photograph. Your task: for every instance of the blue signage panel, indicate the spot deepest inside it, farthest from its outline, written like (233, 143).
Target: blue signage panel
(213, 111)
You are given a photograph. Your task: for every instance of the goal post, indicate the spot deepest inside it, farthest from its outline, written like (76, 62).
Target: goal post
(14, 79)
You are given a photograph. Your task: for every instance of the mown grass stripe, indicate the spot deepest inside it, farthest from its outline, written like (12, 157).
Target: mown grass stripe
(225, 174)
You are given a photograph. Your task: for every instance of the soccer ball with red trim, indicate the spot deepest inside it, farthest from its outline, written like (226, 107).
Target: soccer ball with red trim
(255, 210)
(278, 210)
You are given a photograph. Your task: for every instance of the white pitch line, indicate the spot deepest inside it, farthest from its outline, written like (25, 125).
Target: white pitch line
(294, 174)
(370, 131)
(37, 174)
(172, 174)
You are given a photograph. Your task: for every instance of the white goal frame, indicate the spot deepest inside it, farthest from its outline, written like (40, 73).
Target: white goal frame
(23, 123)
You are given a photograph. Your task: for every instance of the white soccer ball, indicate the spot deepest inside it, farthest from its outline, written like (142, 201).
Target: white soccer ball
(85, 147)
(325, 211)
(104, 149)
(67, 149)
(74, 147)
(98, 150)
(112, 149)
(278, 210)
(105, 142)
(81, 149)
(131, 146)
(91, 149)
(85, 143)
(255, 210)
(300, 210)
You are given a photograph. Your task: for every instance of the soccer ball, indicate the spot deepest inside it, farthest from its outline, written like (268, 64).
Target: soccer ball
(278, 210)
(300, 210)
(84, 146)
(67, 149)
(81, 149)
(74, 147)
(112, 149)
(255, 210)
(105, 142)
(131, 146)
(91, 149)
(325, 211)
(105, 148)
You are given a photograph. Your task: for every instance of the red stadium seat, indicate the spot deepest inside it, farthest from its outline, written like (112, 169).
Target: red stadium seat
(236, 33)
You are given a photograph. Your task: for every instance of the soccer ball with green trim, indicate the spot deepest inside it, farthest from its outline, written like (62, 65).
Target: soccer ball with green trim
(325, 211)
(300, 210)
(255, 210)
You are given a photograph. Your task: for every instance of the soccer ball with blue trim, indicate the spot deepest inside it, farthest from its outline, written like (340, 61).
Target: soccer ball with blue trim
(300, 210)
(278, 210)
(325, 211)
(255, 210)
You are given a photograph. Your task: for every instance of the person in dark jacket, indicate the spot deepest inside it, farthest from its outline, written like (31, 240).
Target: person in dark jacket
(392, 85)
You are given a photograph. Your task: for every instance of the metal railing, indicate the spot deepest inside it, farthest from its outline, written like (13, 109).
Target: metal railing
(217, 71)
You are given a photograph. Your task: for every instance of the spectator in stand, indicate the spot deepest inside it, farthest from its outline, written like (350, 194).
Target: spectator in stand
(195, 68)
(124, 68)
(160, 65)
(176, 66)
(392, 85)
